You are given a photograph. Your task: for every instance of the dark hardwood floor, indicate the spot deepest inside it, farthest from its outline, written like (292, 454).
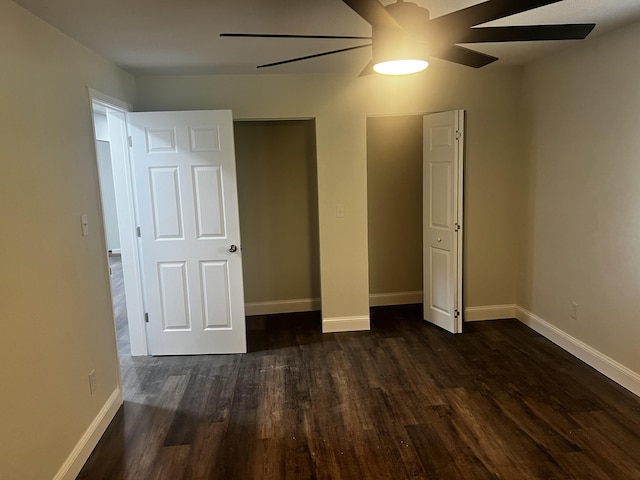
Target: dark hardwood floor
(403, 401)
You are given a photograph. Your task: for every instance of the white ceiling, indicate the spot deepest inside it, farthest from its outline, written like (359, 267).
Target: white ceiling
(182, 36)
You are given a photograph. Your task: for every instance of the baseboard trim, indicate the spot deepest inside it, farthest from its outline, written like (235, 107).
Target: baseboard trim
(282, 306)
(607, 366)
(617, 372)
(79, 455)
(395, 298)
(346, 324)
(489, 312)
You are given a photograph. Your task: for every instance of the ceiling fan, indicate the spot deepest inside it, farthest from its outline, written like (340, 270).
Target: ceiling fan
(404, 34)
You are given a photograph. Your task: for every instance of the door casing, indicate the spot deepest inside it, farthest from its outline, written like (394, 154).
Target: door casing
(127, 220)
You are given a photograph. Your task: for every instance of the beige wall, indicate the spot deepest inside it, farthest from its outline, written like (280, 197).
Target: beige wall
(278, 201)
(394, 192)
(340, 105)
(574, 239)
(583, 109)
(54, 298)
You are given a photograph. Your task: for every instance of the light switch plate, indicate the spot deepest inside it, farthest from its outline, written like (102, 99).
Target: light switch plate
(84, 220)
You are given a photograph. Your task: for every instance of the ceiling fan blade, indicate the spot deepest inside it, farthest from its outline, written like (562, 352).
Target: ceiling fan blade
(464, 56)
(527, 33)
(485, 12)
(373, 12)
(368, 70)
(315, 55)
(284, 35)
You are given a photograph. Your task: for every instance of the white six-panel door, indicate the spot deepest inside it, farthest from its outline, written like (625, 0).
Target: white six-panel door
(185, 181)
(442, 219)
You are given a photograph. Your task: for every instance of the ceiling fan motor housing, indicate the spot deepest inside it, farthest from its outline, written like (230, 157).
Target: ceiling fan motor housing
(394, 43)
(409, 15)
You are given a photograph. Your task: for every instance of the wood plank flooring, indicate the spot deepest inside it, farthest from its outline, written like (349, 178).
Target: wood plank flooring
(403, 401)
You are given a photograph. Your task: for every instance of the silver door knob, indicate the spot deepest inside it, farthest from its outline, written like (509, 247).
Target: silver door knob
(439, 239)
(233, 249)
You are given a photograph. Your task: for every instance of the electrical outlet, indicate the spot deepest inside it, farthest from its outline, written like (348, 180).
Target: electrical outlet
(573, 311)
(93, 386)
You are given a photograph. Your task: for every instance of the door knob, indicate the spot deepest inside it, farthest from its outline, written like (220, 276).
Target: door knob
(233, 249)
(439, 239)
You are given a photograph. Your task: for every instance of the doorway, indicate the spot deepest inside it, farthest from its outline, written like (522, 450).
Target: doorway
(277, 182)
(201, 166)
(394, 210)
(415, 192)
(112, 233)
(108, 115)
(278, 201)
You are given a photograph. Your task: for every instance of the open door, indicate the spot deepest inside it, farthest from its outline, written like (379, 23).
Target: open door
(442, 219)
(185, 182)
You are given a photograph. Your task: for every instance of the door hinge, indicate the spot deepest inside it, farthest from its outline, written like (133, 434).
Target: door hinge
(146, 317)
(456, 227)
(458, 135)
(138, 232)
(456, 313)
(130, 141)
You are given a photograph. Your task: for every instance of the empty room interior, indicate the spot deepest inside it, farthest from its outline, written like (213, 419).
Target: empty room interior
(352, 323)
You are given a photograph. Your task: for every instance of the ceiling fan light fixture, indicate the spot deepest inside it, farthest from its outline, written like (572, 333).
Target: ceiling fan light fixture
(400, 66)
(397, 52)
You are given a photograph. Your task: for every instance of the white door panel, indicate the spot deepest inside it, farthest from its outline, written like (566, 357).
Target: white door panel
(442, 210)
(184, 165)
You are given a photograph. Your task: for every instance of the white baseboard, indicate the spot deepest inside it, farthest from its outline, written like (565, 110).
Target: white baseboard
(396, 298)
(490, 312)
(602, 363)
(282, 306)
(617, 372)
(346, 324)
(79, 455)
(313, 304)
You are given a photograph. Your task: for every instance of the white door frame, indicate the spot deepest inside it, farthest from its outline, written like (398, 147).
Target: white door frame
(127, 218)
